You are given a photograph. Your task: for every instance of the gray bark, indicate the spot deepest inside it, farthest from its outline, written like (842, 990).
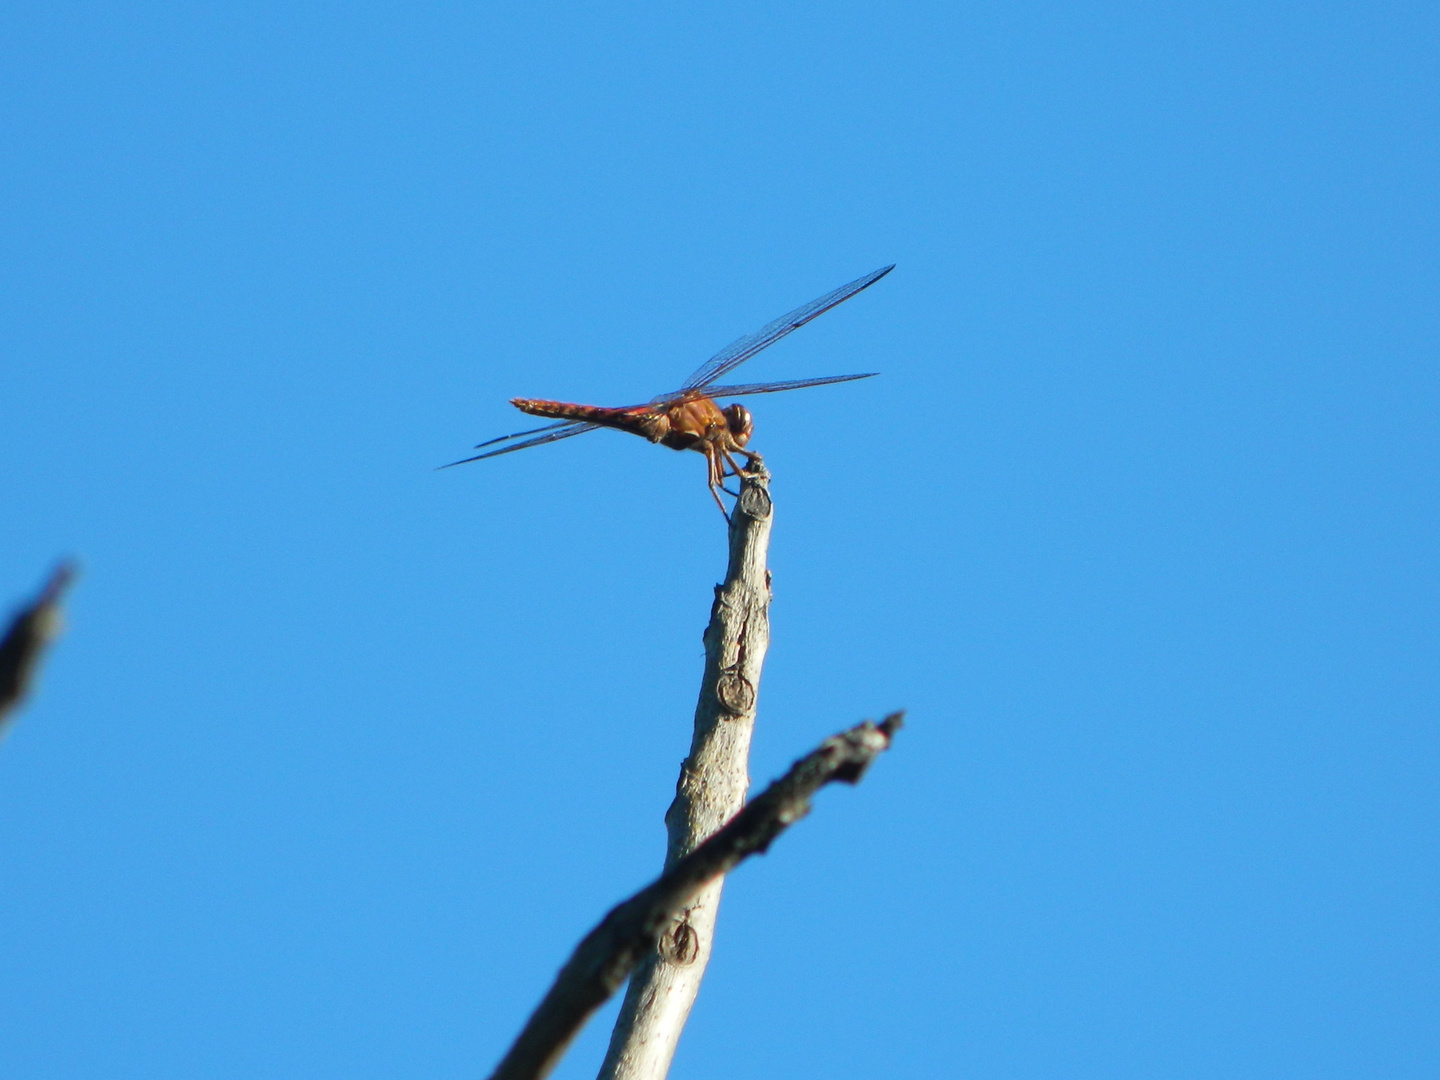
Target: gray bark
(711, 789)
(32, 629)
(630, 931)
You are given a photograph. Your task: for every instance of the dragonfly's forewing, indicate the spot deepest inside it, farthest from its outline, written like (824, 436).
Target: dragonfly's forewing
(775, 387)
(737, 352)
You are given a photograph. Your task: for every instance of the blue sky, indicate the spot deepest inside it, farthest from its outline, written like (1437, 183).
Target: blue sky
(341, 755)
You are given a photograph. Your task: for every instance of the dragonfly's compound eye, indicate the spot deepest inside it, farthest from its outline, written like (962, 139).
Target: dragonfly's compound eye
(740, 423)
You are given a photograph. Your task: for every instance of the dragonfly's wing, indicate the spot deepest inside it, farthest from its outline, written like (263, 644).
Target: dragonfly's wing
(531, 431)
(547, 434)
(737, 352)
(775, 387)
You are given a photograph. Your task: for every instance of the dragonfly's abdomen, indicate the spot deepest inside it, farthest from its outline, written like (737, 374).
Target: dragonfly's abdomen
(560, 410)
(649, 424)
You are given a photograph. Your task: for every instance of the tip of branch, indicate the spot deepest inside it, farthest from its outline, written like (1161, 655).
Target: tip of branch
(891, 724)
(29, 632)
(60, 580)
(866, 742)
(754, 501)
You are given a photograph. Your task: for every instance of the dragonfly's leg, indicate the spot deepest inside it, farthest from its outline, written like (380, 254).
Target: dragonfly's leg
(716, 496)
(734, 464)
(734, 468)
(716, 478)
(751, 458)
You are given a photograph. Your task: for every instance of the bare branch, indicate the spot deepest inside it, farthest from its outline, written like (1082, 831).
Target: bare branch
(630, 931)
(33, 628)
(712, 786)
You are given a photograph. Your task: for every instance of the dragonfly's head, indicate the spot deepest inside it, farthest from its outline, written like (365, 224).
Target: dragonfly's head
(737, 417)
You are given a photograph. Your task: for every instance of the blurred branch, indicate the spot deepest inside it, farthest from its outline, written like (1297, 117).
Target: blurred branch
(711, 788)
(630, 931)
(32, 629)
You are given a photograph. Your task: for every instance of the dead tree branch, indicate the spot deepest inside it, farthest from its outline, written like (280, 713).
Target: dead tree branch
(33, 628)
(712, 786)
(630, 931)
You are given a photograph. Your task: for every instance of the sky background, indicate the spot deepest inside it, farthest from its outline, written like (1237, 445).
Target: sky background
(341, 755)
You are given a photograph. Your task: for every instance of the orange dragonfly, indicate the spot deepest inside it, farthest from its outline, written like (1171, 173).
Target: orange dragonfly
(688, 419)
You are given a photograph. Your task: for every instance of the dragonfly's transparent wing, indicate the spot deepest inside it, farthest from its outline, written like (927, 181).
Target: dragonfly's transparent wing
(775, 387)
(547, 434)
(531, 431)
(737, 352)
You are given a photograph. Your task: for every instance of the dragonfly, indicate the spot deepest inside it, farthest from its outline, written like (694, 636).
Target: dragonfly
(688, 418)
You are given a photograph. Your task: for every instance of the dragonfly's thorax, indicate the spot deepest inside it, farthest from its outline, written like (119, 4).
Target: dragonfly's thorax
(686, 424)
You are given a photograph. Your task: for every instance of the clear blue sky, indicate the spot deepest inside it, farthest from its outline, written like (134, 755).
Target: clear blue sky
(341, 754)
